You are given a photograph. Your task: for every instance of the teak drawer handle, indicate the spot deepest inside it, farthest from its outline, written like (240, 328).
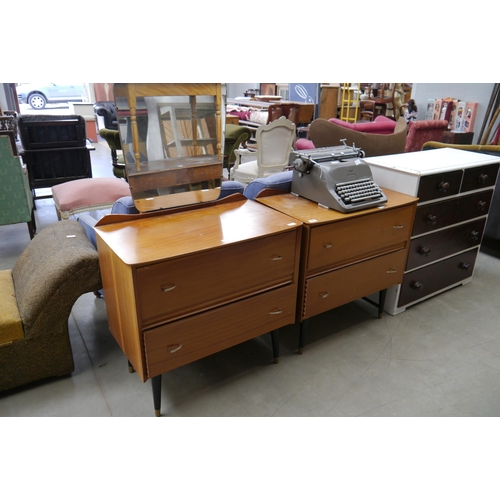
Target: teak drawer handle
(398, 226)
(278, 257)
(168, 288)
(392, 271)
(174, 348)
(276, 311)
(328, 245)
(324, 295)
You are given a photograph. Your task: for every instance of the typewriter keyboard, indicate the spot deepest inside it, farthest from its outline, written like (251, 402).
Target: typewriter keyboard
(358, 191)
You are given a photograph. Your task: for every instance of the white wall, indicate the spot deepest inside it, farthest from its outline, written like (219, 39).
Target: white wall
(474, 92)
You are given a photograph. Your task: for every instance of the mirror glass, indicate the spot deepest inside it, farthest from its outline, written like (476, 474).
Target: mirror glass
(171, 152)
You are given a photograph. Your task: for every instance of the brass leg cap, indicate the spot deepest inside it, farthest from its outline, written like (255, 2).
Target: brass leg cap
(157, 413)
(276, 360)
(301, 350)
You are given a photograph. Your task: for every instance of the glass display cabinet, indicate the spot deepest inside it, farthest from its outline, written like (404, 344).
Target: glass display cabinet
(171, 135)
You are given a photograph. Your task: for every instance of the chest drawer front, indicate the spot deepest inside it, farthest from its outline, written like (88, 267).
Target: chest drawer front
(436, 186)
(193, 283)
(427, 280)
(440, 244)
(445, 213)
(479, 177)
(181, 342)
(338, 243)
(350, 283)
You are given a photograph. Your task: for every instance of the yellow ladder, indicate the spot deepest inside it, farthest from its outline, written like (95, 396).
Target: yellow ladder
(350, 102)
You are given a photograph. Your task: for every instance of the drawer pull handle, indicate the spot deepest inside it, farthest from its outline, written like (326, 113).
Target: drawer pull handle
(416, 285)
(464, 265)
(276, 311)
(398, 226)
(174, 348)
(168, 288)
(328, 245)
(392, 271)
(483, 178)
(474, 235)
(431, 219)
(481, 205)
(444, 186)
(424, 251)
(278, 257)
(324, 295)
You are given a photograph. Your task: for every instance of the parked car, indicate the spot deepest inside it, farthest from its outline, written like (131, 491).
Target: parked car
(37, 95)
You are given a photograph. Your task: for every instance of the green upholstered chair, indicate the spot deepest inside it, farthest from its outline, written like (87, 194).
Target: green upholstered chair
(16, 200)
(112, 137)
(236, 135)
(37, 295)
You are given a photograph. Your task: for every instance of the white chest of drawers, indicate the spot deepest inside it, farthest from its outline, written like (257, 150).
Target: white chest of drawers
(455, 189)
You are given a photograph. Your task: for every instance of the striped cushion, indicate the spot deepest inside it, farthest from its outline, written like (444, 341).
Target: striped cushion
(11, 327)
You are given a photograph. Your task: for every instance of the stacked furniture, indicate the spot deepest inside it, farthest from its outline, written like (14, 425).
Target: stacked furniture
(455, 189)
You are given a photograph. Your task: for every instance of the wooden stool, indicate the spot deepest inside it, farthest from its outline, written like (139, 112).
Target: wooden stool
(84, 195)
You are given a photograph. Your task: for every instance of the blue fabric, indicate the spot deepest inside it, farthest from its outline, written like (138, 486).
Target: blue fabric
(281, 181)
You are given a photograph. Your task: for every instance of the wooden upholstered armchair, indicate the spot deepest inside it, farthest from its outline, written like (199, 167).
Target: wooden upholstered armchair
(37, 296)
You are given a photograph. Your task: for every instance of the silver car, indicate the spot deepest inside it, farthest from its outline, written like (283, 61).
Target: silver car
(37, 95)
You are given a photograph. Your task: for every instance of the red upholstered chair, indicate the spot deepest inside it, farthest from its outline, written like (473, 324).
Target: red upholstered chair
(422, 131)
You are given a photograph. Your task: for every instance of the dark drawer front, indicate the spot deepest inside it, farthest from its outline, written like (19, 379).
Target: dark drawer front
(445, 213)
(181, 342)
(427, 280)
(437, 186)
(339, 287)
(479, 177)
(438, 245)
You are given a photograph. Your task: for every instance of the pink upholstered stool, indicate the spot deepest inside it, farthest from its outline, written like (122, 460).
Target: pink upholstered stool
(84, 195)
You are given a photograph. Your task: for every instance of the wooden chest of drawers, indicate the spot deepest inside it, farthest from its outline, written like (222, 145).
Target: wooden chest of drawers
(347, 256)
(182, 285)
(455, 189)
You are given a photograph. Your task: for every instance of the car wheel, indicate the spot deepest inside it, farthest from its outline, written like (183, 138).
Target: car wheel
(37, 101)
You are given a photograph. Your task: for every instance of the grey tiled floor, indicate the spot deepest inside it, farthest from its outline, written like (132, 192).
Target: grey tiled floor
(438, 358)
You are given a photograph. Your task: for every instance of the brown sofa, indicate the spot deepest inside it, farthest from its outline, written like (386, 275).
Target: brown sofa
(324, 133)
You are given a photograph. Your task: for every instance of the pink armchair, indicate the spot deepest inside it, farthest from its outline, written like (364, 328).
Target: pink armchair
(422, 131)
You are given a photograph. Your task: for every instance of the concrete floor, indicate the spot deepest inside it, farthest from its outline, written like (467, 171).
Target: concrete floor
(438, 358)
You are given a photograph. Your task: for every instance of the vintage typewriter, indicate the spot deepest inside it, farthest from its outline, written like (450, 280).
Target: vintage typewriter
(336, 177)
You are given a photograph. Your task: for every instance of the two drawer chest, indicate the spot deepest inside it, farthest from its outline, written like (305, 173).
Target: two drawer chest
(347, 256)
(455, 189)
(184, 284)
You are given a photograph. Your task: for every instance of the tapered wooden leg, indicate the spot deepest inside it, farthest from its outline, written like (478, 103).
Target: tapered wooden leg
(275, 337)
(156, 386)
(381, 302)
(302, 336)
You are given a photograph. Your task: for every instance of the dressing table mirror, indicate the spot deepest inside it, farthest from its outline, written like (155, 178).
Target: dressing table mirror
(171, 135)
